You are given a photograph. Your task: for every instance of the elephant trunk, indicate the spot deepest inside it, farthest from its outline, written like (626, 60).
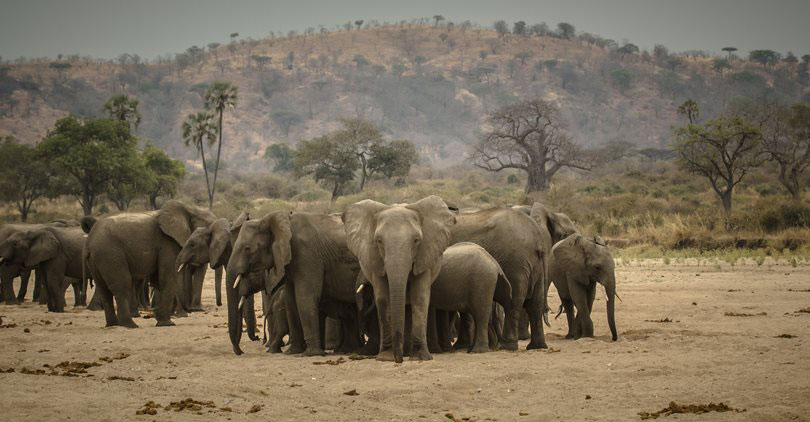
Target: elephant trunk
(610, 290)
(234, 314)
(397, 271)
(218, 284)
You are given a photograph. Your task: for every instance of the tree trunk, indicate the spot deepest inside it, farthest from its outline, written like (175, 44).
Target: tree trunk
(87, 203)
(363, 172)
(153, 201)
(537, 180)
(205, 170)
(335, 192)
(726, 200)
(216, 166)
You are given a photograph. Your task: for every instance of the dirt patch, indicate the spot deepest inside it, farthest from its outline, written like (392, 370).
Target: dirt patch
(337, 361)
(120, 378)
(799, 290)
(785, 336)
(150, 408)
(662, 320)
(255, 408)
(803, 311)
(190, 405)
(743, 314)
(119, 356)
(698, 409)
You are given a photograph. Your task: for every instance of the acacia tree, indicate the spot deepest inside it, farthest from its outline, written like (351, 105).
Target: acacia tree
(329, 161)
(164, 173)
(723, 150)
(528, 136)
(24, 175)
(361, 136)
(197, 128)
(90, 152)
(130, 180)
(786, 139)
(220, 95)
(123, 108)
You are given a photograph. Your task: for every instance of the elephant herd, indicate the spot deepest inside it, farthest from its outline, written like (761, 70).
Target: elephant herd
(387, 280)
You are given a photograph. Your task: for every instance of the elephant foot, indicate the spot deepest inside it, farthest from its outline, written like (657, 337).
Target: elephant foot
(166, 323)
(311, 351)
(525, 336)
(509, 345)
(420, 355)
(181, 314)
(274, 347)
(219, 302)
(536, 345)
(128, 324)
(295, 350)
(12, 302)
(570, 336)
(196, 309)
(479, 348)
(95, 307)
(253, 337)
(386, 356)
(370, 349)
(111, 324)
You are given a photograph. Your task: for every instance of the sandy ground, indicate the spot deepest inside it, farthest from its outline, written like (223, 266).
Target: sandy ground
(701, 356)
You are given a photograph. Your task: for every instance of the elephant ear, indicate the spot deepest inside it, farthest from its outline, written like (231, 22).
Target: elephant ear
(43, 247)
(599, 241)
(174, 220)
(278, 224)
(559, 226)
(569, 257)
(359, 222)
(220, 237)
(436, 222)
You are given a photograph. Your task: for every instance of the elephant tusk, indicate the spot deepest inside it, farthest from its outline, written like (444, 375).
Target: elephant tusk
(236, 282)
(360, 289)
(241, 302)
(182, 267)
(2, 259)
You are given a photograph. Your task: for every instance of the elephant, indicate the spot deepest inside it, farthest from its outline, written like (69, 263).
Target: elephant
(522, 249)
(56, 253)
(559, 227)
(308, 255)
(400, 249)
(213, 245)
(469, 280)
(579, 263)
(275, 321)
(128, 247)
(8, 271)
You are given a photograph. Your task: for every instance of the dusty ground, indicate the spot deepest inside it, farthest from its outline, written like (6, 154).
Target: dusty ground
(701, 356)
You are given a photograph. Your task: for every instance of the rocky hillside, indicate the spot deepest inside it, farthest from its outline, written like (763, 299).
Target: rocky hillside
(432, 85)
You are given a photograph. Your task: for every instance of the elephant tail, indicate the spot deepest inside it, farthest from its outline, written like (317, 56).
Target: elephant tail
(503, 289)
(544, 284)
(559, 312)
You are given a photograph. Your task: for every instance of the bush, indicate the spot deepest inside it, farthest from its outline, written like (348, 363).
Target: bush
(785, 216)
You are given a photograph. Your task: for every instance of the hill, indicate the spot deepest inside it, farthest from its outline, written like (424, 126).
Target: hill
(432, 85)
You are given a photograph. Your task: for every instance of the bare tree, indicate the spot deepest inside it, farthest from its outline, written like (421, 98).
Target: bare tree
(529, 136)
(786, 140)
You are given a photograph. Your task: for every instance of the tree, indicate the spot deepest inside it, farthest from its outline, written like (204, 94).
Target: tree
(24, 175)
(90, 152)
(329, 161)
(628, 49)
(130, 180)
(723, 150)
(622, 79)
(566, 30)
(286, 119)
(392, 159)
(437, 19)
(519, 28)
(282, 155)
(790, 59)
(539, 29)
(528, 136)
(220, 95)
(358, 23)
(690, 109)
(359, 135)
(261, 60)
(501, 28)
(197, 129)
(720, 65)
(786, 140)
(764, 57)
(124, 108)
(164, 173)
(729, 51)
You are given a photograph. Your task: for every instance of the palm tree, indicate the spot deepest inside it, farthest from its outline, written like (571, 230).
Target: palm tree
(220, 95)
(199, 126)
(124, 108)
(690, 109)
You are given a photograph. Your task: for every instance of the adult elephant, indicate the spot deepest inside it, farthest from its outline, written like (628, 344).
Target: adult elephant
(522, 249)
(400, 252)
(56, 253)
(9, 270)
(579, 263)
(213, 245)
(127, 247)
(307, 253)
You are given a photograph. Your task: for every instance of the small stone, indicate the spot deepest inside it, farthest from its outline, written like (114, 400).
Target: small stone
(352, 392)
(26, 330)
(587, 397)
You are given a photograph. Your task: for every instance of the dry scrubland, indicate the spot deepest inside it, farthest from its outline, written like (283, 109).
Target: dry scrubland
(692, 335)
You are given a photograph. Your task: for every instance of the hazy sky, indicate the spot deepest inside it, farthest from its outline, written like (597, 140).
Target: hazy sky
(107, 28)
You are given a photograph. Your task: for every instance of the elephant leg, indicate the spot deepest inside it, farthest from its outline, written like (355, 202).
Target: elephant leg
(96, 303)
(218, 285)
(249, 314)
(568, 307)
(383, 310)
(350, 338)
(307, 298)
(197, 281)
(443, 331)
(420, 300)
(106, 299)
(480, 317)
(297, 343)
(78, 293)
(331, 329)
(464, 340)
(433, 332)
(520, 283)
(42, 296)
(523, 326)
(279, 330)
(167, 285)
(538, 340)
(24, 276)
(591, 297)
(7, 285)
(372, 346)
(133, 304)
(583, 320)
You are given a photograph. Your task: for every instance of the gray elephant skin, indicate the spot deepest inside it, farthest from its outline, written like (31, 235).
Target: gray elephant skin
(400, 249)
(308, 255)
(56, 253)
(579, 264)
(125, 248)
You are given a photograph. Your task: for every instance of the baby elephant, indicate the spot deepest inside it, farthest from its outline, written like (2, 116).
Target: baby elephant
(578, 264)
(468, 281)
